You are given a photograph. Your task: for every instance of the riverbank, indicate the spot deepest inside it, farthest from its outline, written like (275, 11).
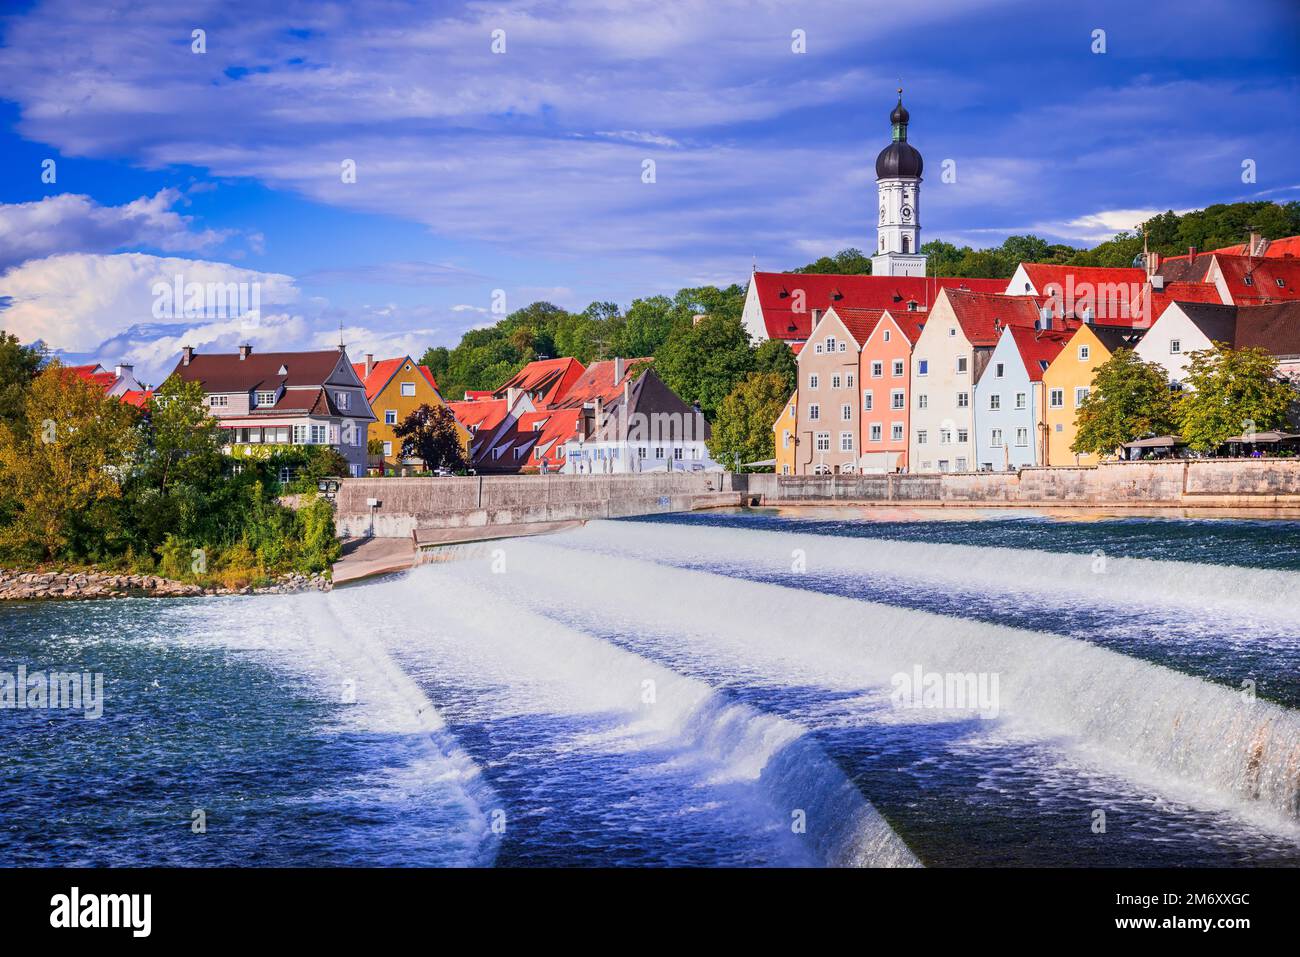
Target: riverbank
(19, 585)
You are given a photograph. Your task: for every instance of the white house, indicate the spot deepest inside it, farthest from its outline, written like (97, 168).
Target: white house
(1009, 403)
(1184, 328)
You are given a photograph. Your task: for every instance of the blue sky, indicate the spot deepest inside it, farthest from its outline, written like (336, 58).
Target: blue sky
(522, 171)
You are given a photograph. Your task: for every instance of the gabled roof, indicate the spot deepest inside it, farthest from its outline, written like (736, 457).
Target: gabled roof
(228, 373)
(1038, 347)
(428, 377)
(910, 322)
(597, 382)
(1216, 321)
(652, 401)
(777, 295)
(1117, 337)
(859, 323)
(1162, 299)
(552, 378)
(1275, 328)
(1185, 268)
(137, 397)
(1043, 274)
(480, 415)
(382, 372)
(1252, 280)
(95, 374)
(982, 315)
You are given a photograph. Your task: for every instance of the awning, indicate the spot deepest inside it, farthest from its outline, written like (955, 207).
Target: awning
(1271, 437)
(1157, 442)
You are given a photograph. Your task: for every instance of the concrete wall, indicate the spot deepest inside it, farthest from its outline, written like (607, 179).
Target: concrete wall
(406, 504)
(1173, 482)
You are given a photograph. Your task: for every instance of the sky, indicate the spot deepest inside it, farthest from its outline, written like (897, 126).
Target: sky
(501, 151)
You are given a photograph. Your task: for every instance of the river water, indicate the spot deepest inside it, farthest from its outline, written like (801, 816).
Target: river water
(710, 689)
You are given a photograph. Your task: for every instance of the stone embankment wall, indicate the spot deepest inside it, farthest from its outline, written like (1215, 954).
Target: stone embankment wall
(396, 507)
(1192, 482)
(31, 586)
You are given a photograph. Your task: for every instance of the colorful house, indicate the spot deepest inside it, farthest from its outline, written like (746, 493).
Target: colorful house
(1009, 432)
(884, 371)
(785, 437)
(828, 416)
(1067, 382)
(950, 354)
(395, 388)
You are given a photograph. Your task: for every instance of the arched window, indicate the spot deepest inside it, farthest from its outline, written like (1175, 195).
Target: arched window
(907, 244)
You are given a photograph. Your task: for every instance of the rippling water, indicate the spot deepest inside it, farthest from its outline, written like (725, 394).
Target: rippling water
(708, 689)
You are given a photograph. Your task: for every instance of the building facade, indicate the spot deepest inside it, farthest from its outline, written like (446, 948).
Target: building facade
(395, 388)
(785, 435)
(1010, 431)
(885, 373)
(1068, 381)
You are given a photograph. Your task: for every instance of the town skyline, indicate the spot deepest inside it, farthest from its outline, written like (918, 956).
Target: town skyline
(534, 185)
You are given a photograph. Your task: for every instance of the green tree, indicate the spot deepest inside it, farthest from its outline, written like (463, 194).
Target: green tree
(744, 424)
(19, 365)
(1129, 399)
(69, 452)
(430, 434)
(1231, 391)
(774, 355)
(702, 362)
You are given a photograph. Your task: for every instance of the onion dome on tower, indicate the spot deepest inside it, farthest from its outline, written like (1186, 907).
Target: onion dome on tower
(899, 158)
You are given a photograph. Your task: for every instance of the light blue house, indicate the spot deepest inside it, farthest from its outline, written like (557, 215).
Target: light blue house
(1009, 401)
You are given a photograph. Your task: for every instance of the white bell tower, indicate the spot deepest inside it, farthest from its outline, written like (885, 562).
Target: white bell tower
(898, 185)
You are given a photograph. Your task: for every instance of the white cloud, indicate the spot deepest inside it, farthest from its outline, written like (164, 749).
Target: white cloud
(72, 222)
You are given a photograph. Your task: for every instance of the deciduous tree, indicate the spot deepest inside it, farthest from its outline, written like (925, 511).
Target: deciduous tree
(1231, 391)
(1129, 399)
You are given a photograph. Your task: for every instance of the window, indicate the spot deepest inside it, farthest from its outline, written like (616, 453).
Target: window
(846, 441)
(898, 399)
(1248, 279)
(823, 441)
(952, 332)
(388, 448)
(896, 432)
(785, 470)
(999, 370)
(1056, 398)
(923, 367)
(1022, 437)
(1175, 346)
(265, 398)
(341, 399)
(785, 442)
(898, 367)
(659, 451)
(300, 435)
(319, 435)
(218, 401)
(830, 343)
(849, 381)
(677, 452)
(963, 400)
(922, 436)
(818, 348)
(814, 412)
(867, 402)
(923, 402)
(877, 370)
(997, 439)
(1281, 283)
(836, 381)
(995, 402)
(875, 432)
(844, 347)
(390, 416)
(1020, 400)
(1080, 394)
(943, 465)
(945, 436)
(1085, 353)
(814, 380)
(961, 465)
(961, 365)
(846, 412)
(408, 388)
(907, 244)
(886, 335)
(963, 436)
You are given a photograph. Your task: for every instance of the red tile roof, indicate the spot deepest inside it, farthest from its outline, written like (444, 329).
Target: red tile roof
(1038, 348)
(982, 315)
(226, 372)
(551, 428)
(428, 377)
(1255, 281)
(480, 415)
(475, 395)
(380, 373)
(1181, 292)
(859, 322)
(137, 397)
(777, 295)
(1044, 274)
(548, 379)
(598, 382)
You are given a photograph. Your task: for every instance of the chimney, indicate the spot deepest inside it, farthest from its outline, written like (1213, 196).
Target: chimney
(1191, 253)
(597, 415)
(187, 354)
(620, 368)
(1044, 317)
(1256, 242)
(123, 370)
(245, 351)
(512, 396)
(370, 363)
(1087, 314)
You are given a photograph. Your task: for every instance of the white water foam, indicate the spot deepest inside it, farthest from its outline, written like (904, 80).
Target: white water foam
(1181, 734)
(458, 622)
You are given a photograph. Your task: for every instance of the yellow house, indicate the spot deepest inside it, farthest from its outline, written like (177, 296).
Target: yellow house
(395, 388)
(1067, 381)
(783, 431)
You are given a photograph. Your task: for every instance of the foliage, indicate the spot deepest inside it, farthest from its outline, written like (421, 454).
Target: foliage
(702, 362)
(19, 365)
(68, 453)
(775, 355)
(744, 425)
(430, 434)
(1232, 391)
(1129, 399)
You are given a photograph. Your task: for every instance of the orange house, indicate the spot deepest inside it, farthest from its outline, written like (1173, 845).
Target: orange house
(885, 372)
(395, 388)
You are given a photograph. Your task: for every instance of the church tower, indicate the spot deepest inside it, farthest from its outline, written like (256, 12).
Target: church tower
(898, 183)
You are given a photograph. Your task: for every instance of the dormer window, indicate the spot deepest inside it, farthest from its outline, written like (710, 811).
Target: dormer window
(264, 398)
(1249, 280)
(341, 399)
(1281, 283)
